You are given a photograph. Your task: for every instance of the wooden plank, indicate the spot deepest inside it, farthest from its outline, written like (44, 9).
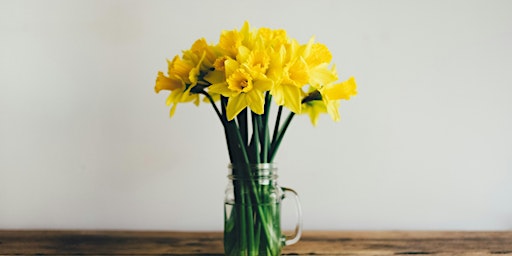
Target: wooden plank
(405, 243)
(210, 243)
(109, 243)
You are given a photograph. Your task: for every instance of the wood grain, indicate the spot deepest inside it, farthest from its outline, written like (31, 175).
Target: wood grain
(14, 242)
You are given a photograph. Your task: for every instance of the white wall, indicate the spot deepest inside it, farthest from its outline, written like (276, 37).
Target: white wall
(86, 143)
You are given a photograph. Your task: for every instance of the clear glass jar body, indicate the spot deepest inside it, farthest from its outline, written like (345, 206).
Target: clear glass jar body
(252, 207)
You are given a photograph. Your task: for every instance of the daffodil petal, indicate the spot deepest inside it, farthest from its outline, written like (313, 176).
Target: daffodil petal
(318, 54)
(214, 77)
(165, 83)
(332, 109)
(221, 88)
(235, 106)
(298, 72)
(288, 96)
(231, 66)
(256, 101)
(321, 75)
(263, 85)
(341, 91)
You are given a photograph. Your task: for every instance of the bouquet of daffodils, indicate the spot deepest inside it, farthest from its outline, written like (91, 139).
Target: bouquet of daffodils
(241, 77)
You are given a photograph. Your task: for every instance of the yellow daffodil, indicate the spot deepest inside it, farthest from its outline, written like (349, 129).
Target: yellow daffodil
(327, 99)
(256, 61)
(316, 53)
(242, 89)
(195, 55)
(290, 73)
(229, 43)
(317, 56)
(331, 95)
(182, 76)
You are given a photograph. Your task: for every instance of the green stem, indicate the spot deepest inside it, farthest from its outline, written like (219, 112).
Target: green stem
(249, 215)
(265, 142)
(277, 142)
(230, 142)
(276, 127)
(255, 141)
(242, 124)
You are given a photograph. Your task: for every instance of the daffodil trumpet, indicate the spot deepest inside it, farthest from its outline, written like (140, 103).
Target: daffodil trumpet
(241, 77)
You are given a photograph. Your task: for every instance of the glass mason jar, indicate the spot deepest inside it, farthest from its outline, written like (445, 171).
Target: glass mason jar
(252, 207)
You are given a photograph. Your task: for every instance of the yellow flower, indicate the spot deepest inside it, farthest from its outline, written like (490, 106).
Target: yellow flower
(255, 61)
(240, 81)
(242, 89)
(318, 57)
(288, 89)
(314, 105)
(316, 53)
(296, 72)
(195, 55)
(248, 36)
(229, 43)
(327, 99)
(331, 95)
(182, 76)
(290, 72)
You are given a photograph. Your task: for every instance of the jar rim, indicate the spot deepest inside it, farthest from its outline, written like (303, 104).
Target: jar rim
(257, 166)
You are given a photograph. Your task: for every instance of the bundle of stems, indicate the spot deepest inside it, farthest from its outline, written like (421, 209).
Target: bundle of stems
(254, 223)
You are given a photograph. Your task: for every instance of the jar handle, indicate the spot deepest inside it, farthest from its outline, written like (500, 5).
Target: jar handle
(289, 240)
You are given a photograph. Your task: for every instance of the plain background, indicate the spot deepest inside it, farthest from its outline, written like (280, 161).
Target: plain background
(85, 143)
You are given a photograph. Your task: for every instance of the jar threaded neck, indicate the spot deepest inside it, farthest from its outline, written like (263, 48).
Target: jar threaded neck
(257, 171)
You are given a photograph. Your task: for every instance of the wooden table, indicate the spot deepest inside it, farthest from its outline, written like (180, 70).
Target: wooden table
(210, 243)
